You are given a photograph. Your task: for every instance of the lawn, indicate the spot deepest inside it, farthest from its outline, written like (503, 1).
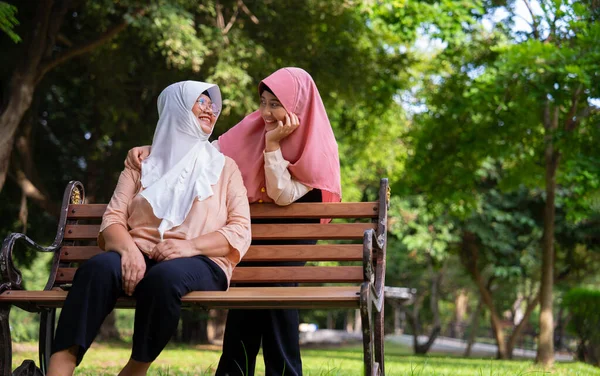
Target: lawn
(106, 359)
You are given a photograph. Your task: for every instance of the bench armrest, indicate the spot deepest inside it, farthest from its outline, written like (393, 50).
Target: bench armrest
(372, 274)
(374, 250)
(10, 276)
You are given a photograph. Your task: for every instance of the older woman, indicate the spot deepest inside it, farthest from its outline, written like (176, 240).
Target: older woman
(179, 225)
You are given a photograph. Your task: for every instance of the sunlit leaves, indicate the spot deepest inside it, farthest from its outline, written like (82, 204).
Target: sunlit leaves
(488, 102)
(8, 20)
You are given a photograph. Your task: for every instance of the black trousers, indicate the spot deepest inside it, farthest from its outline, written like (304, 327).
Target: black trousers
(98, 284)
(276, 329)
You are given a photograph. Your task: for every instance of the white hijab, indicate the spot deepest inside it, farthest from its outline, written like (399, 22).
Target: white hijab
(183, 164)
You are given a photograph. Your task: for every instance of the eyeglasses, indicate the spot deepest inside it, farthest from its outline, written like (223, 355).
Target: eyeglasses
(206, 105)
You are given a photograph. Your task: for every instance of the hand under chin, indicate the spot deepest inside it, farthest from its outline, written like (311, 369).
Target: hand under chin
(270, 127)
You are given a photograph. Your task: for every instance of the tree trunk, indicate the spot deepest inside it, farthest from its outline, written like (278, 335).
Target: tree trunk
(474, 328)
(413, 319)
(21, 95)
(37, 60)
(498, 331)
(357, 321)
(436, 281)
(194, 326)
(517, 310)
(399, 318)
(24, 172)
(349, 321)
(216, 324)
(330, 320)
(461, 301)
(108, 330)
(518, 329)
(545, 353)
(423, 348)
(24, 79)
(560, 330)
(469, 257)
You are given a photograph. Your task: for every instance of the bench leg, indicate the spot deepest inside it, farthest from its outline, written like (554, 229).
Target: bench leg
(379, 340)
(367, 328)
(47, 325)
(5, 341)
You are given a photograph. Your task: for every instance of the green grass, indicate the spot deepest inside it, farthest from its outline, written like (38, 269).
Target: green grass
(107, 359)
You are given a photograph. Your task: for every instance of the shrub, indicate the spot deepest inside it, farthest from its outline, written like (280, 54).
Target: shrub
(584, 308)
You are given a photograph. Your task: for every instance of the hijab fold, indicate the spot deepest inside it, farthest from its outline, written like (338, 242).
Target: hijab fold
(183, 165)
(311, 149)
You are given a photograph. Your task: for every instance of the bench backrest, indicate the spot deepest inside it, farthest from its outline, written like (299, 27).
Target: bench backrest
(82, 224)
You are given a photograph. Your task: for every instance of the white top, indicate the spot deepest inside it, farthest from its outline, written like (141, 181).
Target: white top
(183, 165)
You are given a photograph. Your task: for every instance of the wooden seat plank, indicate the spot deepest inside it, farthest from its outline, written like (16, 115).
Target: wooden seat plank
(320, 252)
(235, 297)
(278, 274)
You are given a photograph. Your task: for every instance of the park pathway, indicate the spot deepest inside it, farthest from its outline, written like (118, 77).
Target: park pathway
(446, 345)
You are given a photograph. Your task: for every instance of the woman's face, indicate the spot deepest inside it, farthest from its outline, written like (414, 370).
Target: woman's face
(271, 110)
(203, 112)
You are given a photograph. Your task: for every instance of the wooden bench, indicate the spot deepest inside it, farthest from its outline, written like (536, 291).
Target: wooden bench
(357, 283)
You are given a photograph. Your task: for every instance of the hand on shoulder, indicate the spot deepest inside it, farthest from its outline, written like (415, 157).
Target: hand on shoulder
(135, 157)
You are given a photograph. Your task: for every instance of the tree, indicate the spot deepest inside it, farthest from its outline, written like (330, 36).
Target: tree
(426, 236)
(524, 99)
(38, 56)
(498, 248)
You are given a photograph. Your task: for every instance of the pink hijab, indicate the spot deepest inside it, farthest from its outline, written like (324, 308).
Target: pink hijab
(311, 150)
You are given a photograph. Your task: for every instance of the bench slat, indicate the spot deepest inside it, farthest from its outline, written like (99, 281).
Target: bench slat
(336, 231)
(321, 252)
(298, 210)
(316, 210)
(284, 274)
(235, 297)
(301, 274)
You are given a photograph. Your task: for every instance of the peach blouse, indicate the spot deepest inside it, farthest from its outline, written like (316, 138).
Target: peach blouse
(226, 211)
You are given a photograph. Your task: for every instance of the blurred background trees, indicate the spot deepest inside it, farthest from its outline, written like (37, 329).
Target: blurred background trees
(483, 114)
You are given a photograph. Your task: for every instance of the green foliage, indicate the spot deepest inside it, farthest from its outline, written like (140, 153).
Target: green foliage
(423, 230)
(24, 326)
(89, 111)
(369, 148)
(8, 20)
(509, 234)
(487, 100)
(405, 21)
(584, 309)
